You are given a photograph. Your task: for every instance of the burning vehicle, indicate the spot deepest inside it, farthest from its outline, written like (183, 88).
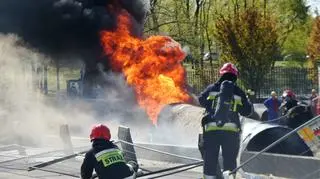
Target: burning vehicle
(107, 35)
(152, 66)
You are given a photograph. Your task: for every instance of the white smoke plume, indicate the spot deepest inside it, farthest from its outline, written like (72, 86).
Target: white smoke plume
(28, 117)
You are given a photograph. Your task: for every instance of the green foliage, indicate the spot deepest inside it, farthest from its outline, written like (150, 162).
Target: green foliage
(297, 40)
(251, 42)
(291, 15)
(298, 26)
(314, 43)
(314, 46)
(251, 33)
(294, 10)
(193, 23)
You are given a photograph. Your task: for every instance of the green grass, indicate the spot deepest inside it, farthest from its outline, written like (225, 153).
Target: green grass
(290, 63)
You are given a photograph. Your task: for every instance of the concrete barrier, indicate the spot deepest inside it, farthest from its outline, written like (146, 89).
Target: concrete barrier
(287, 166)
(129, 151)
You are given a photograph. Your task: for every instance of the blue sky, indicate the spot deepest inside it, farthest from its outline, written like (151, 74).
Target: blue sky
(314, 4)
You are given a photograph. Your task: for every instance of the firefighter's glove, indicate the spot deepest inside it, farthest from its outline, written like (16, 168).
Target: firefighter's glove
(206, 119)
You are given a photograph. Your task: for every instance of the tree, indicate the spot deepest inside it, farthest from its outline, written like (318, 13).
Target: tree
(250, 40)
(189, 22)
(297, 41)
(192, 23)
(294, 24)
(314, 46)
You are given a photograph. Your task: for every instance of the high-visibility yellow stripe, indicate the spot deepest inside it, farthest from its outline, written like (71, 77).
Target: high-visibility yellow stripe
(224, 128)
(211, 97)
(110, 157)
(236, 103)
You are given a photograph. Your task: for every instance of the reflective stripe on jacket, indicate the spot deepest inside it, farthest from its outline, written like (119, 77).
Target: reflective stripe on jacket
(109, 157)
(241, 104)
(212, 126)
(107, 160)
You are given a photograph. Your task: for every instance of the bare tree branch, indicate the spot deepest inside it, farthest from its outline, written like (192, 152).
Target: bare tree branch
(163, 24)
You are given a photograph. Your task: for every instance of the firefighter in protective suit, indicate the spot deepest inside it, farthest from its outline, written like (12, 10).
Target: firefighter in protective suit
(223, 101)
(289, 101)
(106, 158)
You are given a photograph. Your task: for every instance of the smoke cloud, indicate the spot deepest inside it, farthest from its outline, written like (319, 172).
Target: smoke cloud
(66, 29)
(29, 118)
(63, 30)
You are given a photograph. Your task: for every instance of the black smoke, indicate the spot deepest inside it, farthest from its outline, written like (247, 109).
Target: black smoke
(66, 29)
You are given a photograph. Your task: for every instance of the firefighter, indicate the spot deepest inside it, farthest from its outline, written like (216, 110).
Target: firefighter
(223, 101)
(296, 112)
(105, 157)
(289, 101)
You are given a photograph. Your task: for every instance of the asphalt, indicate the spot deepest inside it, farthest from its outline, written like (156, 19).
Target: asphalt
(15, 161)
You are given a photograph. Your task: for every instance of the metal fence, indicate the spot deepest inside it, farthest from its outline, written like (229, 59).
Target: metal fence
(278, 79)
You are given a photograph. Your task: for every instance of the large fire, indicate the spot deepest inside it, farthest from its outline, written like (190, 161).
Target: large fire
(152, 66)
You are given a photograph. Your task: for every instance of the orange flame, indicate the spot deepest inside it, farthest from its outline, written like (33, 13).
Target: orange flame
(152, 66)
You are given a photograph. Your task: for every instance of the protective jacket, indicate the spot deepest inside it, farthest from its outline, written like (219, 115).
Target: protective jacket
(107, 160)
(287, 105)
(240, 103)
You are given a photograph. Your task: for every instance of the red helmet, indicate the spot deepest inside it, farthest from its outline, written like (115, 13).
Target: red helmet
(228, 68)
(288, 93)
(100, 131)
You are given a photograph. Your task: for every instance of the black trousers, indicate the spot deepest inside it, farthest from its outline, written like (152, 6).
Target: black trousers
(212, 141)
